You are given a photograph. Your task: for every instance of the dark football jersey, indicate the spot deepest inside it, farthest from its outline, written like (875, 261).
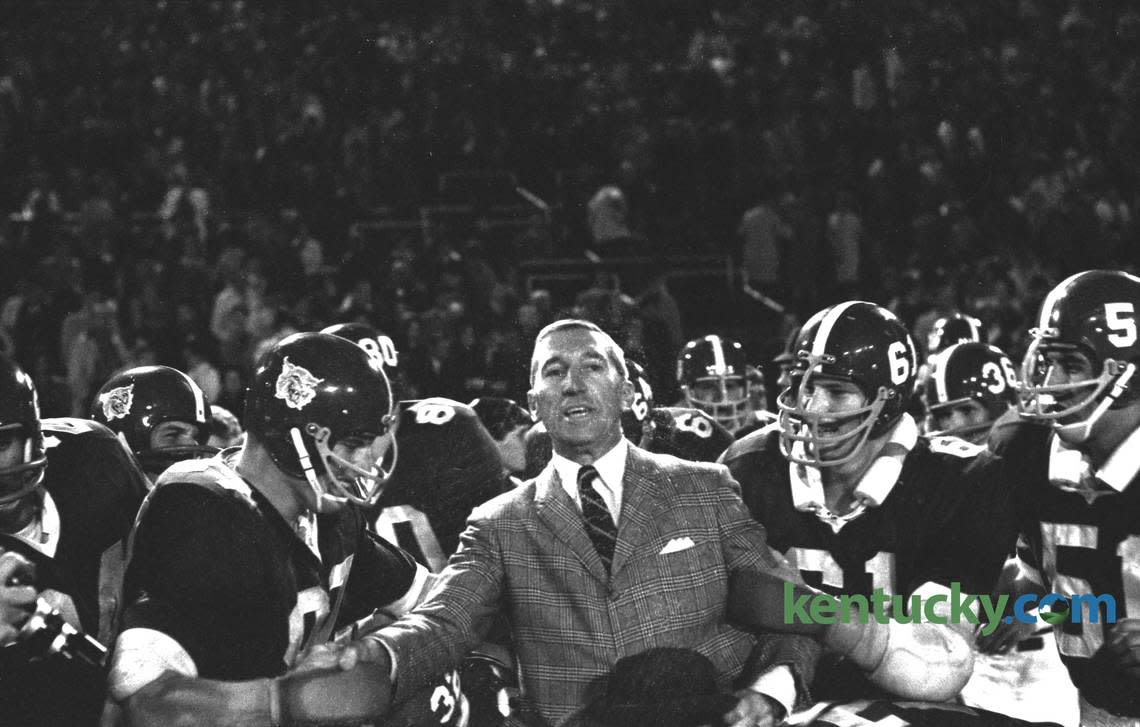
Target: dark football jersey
(936, 525)
(446, 465)
(96, 487)
(1084, 543)
(217, 568)
(686, 433)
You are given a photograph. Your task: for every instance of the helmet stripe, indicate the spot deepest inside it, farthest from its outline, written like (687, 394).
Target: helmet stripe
(819, 345)
(940, 372)
(199, 397)
(718, 353)
(1053, 298)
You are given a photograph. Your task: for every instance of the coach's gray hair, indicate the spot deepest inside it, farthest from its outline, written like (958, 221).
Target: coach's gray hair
(613, 350)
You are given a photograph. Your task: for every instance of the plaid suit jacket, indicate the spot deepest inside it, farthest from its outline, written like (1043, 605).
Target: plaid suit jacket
(527, 553)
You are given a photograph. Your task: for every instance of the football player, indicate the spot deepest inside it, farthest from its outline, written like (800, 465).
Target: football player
(859, 501)
(69, 491)
(159, 413)
(968, 387)
(1075, 458)
(715, 377)
(952, 329)
(243, 562)
(946, 331)
(680, 431)
(380, 346)
(448, 465)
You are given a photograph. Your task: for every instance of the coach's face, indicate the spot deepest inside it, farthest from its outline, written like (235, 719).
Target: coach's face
(578, 393)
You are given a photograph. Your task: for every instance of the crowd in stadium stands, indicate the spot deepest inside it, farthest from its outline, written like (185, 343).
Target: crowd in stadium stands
(180, 180)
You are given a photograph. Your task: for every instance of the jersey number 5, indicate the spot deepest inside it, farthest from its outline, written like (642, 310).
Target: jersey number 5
(1069, 548)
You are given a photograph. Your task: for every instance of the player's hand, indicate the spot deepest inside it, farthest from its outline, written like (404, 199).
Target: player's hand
(321, 656)
(754, 710)
(1005, 637)
(1123, 646)
(366, 650)
(17, 594)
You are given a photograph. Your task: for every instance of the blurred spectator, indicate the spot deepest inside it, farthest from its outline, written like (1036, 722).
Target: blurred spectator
(763, 235)
(198, 366)
(609, 223)
(845, 240)
(95, 351)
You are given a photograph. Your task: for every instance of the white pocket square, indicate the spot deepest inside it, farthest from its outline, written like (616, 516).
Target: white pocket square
(677, 544)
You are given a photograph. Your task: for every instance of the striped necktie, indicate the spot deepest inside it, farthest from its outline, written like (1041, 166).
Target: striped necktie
(599, 524)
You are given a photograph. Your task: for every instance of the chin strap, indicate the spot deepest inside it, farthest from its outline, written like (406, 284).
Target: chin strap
(1082, 430)
(324, 498)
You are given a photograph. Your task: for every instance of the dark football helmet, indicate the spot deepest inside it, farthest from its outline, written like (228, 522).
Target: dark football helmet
(311, 391)
(785, 361)
(633, 419)
(951, 329)
(858, 342)
(970, 371)
(378, 345)
(132, 403)
(715, 377)
(20, 416)
(1091, 316)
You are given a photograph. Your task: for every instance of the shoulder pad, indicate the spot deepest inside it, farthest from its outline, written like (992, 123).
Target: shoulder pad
(212, 473)
(74, 425)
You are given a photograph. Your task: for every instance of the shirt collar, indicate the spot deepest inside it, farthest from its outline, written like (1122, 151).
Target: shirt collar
(1067, 465)
(873, 488)
(610, 467)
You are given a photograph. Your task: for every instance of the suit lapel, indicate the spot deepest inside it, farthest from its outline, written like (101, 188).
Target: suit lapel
(555, 509)
(642, 506)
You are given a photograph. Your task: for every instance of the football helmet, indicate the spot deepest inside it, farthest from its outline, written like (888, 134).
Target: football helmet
(311, 391)
(20, 416)
(132, 403)
(1092, 315)
(969, 371)
(634, 419)
(785, 361)
(858, 342)
(378, 345)
(951, 329)
(715, 377)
